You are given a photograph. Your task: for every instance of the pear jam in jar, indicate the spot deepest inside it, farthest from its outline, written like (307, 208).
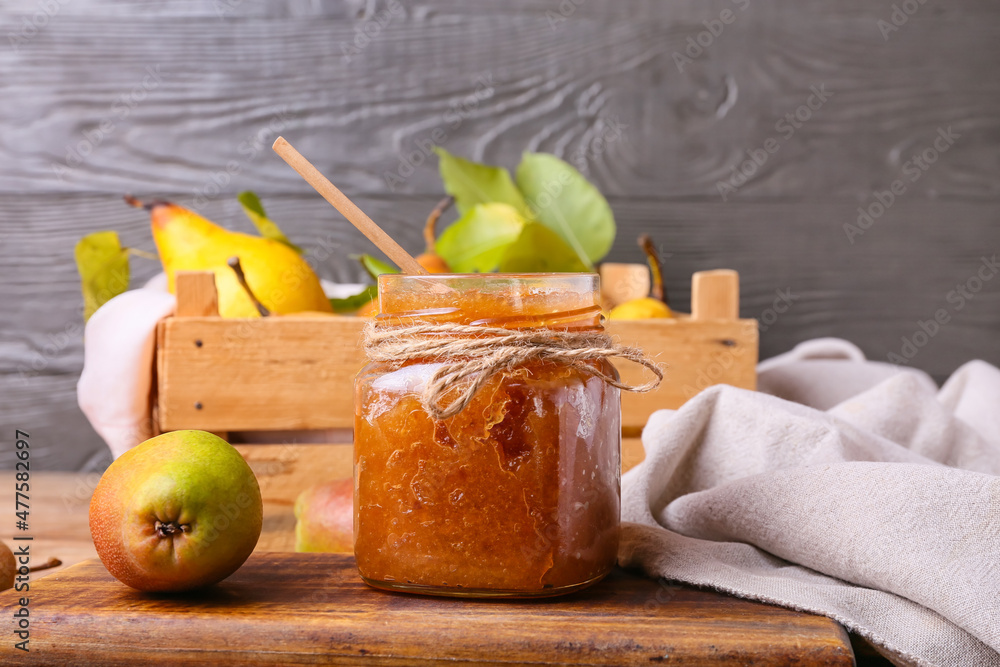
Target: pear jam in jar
(518, 493)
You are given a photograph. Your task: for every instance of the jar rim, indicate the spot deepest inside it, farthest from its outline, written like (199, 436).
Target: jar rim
(580, 281)
(500, 299)
(437, 276)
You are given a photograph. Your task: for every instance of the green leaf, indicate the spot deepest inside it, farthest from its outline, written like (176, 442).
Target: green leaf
(565, 202)
(352, 303)
(103, 266)
(267, 228)
(375, 267)
(471, 183)
(538, 249)
(478, 240)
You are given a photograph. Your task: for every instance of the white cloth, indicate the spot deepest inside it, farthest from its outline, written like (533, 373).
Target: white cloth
(119, 350)
(119, 345)
(863, 494)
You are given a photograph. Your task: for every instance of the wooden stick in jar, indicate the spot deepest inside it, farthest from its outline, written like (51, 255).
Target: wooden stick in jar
(339, 200)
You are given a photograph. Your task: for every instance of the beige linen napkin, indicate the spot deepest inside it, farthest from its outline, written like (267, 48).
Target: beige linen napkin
(877, 505)
(119, 344)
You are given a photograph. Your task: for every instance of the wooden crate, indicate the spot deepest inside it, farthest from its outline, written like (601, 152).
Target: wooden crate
(297, 371)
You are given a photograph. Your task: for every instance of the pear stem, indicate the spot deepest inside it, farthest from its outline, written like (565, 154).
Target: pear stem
(138, 203)
(142, 253)
(657, 290)
(430, 234)
(349, 209)
(50, 563)
(234, 264)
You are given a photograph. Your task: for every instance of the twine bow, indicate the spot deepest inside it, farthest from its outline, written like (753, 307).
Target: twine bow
(474, 354)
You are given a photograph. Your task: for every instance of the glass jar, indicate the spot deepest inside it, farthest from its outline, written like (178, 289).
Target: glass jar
(516, 495)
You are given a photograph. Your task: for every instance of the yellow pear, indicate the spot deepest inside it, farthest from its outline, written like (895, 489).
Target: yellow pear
(640, 309)
(647, 307)
(278, 276)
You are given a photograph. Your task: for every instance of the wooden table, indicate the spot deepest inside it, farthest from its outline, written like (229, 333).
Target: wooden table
(283, 608)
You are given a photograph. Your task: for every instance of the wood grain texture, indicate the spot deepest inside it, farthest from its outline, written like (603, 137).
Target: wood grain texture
(280, 373)
(197, 294)
(285, 470)
(46, 407)
(623, 282)
(694, 356)
(495, 78)
(715, 295)
(309, 609)
(58, 520)
(223, 86)
(59, 526)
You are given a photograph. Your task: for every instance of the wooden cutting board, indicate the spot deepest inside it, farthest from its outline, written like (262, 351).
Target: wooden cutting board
(310, 609)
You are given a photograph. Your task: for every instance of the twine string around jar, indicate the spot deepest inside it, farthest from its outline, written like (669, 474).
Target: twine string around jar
(478, 353)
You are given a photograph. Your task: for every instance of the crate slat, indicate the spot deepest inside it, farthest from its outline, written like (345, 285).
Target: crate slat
(715, 295)
(196, 294)
(694, 355)
(275, 373)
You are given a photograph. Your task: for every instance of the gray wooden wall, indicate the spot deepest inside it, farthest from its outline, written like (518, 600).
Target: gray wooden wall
(103, 97)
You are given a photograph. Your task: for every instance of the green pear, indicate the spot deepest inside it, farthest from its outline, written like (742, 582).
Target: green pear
(325, 518)
(180, 511)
